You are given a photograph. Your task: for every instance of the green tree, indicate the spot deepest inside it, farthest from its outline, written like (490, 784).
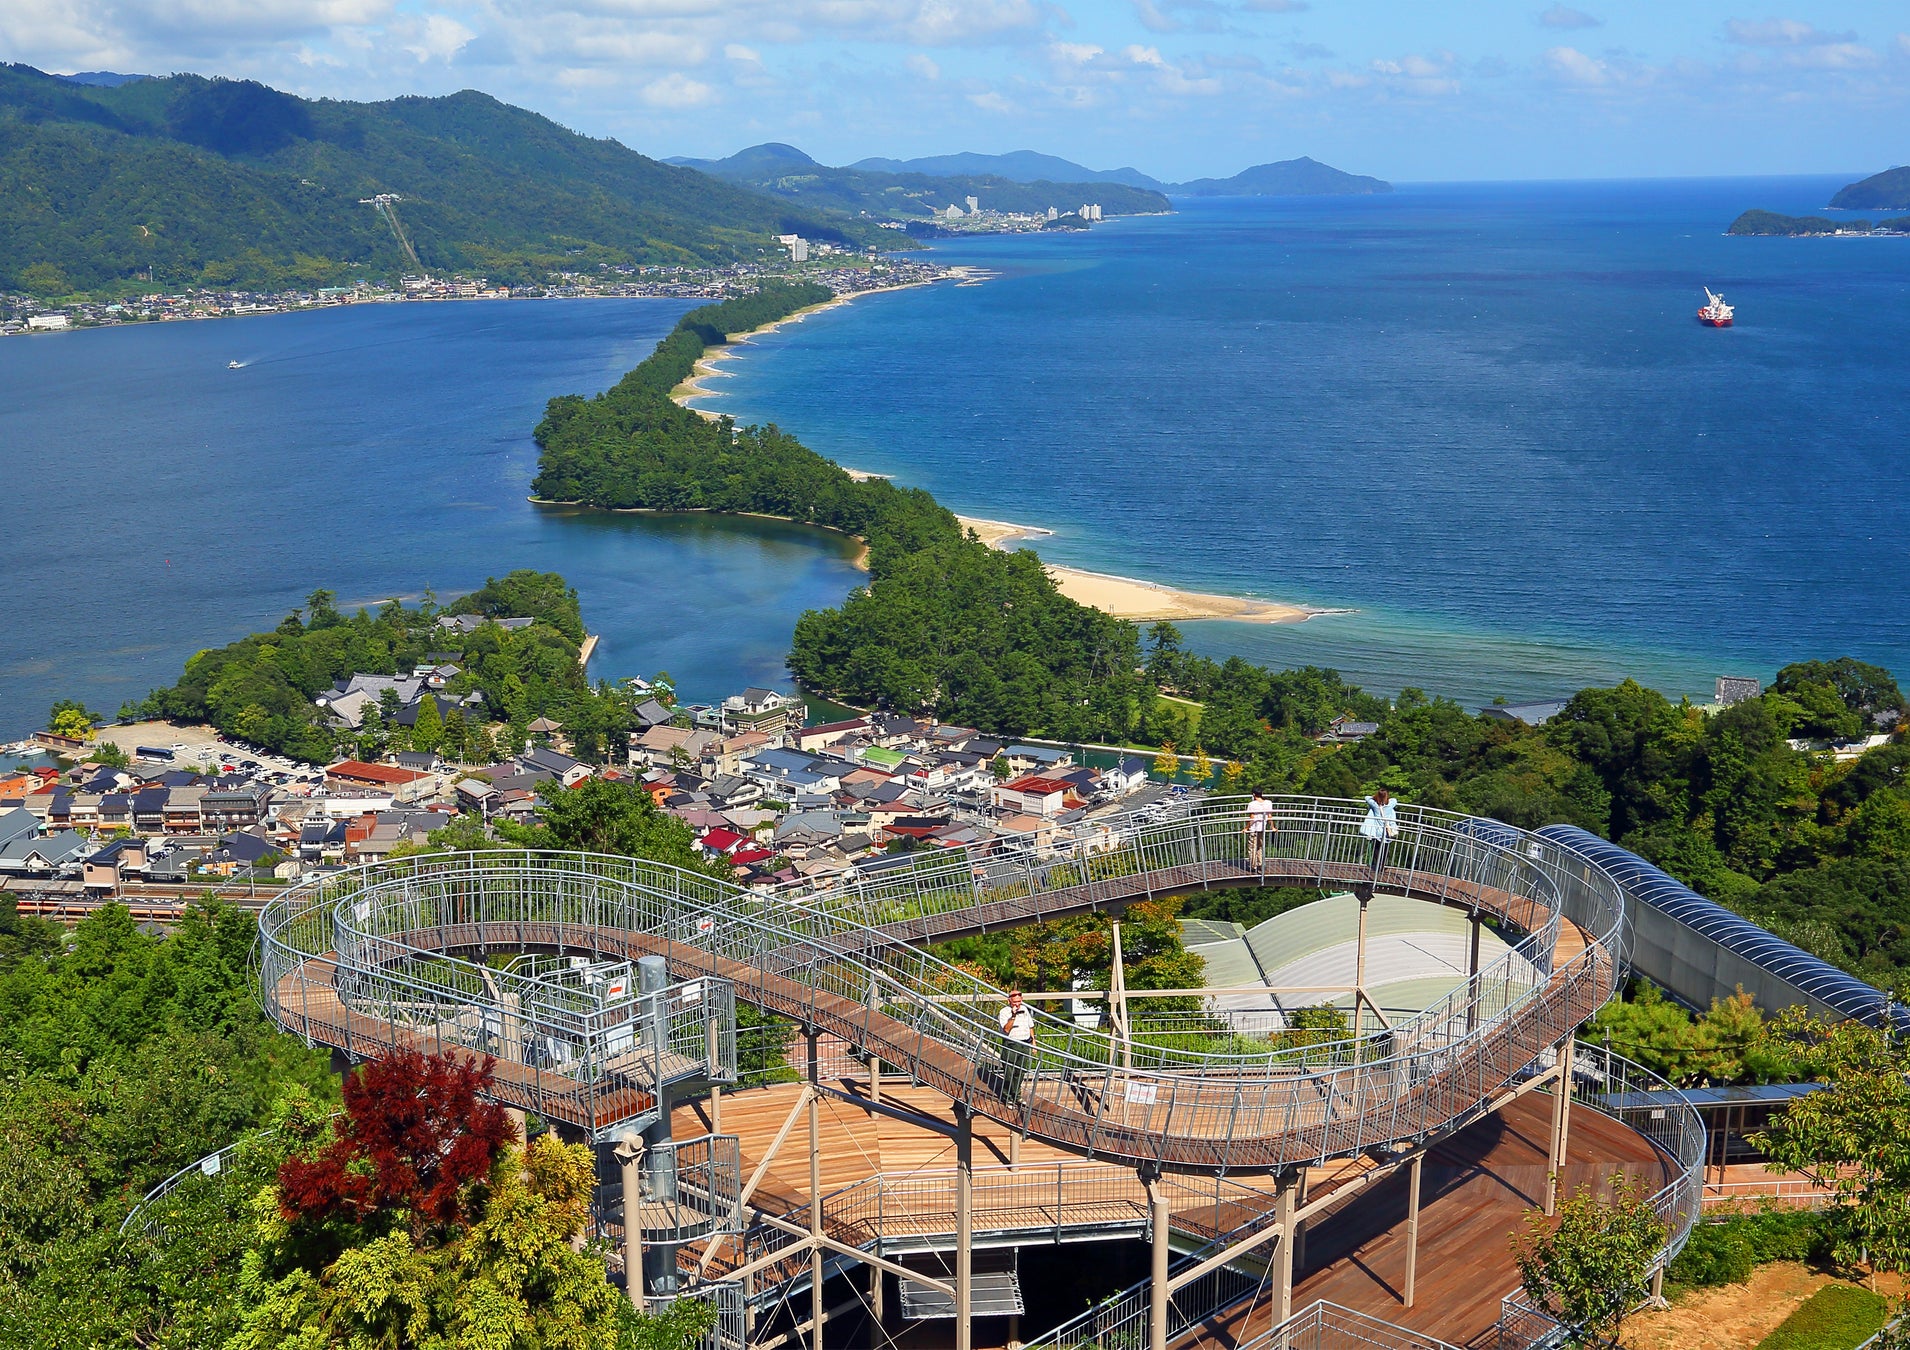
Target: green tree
(1852, 1135)
(1588, 1266)
(601, 816)
(428, 730)
(73, 719)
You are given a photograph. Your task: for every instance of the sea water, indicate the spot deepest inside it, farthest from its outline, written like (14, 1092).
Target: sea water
(1483, 417)
(159, 503)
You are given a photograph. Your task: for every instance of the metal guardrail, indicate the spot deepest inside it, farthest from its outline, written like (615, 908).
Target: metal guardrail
(1328, 1326)
(1613, 1086)
(214, 1164)
(363, 960)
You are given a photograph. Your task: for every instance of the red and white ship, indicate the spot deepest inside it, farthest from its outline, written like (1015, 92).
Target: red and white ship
(1716, 312)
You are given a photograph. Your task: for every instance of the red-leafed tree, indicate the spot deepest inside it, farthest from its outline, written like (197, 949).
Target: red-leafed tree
(416, 1133)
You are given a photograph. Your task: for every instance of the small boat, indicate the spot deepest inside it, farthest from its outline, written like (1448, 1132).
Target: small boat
(1715, 313)
(233, 365)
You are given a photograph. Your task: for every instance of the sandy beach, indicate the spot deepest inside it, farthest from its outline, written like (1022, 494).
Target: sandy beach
(1127, 598)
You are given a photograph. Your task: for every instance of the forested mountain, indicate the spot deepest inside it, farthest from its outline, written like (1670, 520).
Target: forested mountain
(784, 171)
(227, 182)
(1886, 191)
(1302, 177)
(1018, 166)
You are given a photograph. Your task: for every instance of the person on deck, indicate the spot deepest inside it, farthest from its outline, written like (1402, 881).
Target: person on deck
(1017, 1044)
(1259, 826)
(1381, 826)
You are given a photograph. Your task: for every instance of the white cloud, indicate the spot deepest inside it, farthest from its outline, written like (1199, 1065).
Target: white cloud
(1416, 74)
(1564, 16)
(438, 38)
(677, 90)
(1575, 67)
(1782, 33)
(990, 101)
(918, 64)
(1276, 6)
(736, 51)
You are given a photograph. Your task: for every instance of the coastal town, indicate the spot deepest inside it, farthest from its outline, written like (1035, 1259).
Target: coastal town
(787, 803)
(845, 273)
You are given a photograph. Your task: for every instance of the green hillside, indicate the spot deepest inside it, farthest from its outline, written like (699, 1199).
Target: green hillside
(784, 171)
(1302, 177)
(227, 182)
(1886, 191)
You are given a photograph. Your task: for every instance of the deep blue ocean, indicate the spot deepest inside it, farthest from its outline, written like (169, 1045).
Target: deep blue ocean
(1481, 416)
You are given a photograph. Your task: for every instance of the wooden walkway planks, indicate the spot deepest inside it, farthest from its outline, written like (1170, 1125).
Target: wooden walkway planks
(1475, 1190)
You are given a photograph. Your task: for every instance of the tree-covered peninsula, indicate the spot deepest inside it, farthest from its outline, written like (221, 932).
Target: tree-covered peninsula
(1773, 223)
(945, 624)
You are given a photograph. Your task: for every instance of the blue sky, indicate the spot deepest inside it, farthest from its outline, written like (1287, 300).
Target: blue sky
(1406, 89)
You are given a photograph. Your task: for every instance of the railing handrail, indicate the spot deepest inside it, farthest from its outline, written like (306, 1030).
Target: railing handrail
(870, 930)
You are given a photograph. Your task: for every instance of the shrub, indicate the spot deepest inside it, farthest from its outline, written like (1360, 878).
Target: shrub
(1727, 1252)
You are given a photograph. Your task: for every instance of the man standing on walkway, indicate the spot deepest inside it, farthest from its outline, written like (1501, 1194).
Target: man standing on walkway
(1381, 826)
(1259, 826)
(1017, 1044)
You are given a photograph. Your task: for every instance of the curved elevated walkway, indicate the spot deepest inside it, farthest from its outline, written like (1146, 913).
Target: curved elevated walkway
(381, 957)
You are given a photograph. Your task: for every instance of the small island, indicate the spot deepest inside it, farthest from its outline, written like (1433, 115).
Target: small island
(1886, 191)
(1773, 223)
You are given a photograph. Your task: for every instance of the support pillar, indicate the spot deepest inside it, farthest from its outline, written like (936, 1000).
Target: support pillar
(818, 1312)
(1472, 971)
(1299, 1236)
(878, 1286)
(658, 1274)
(1158, 1230)
(630, 1160)
(1359, 975)
(716, 1089)
(1561, 1124)
(964, 1226)
(1283, 1264)
(1117, 994)
(1412, 1225)
(1658, 1286)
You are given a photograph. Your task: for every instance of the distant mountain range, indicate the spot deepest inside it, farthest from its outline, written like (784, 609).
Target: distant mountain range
(784, 171)
(1286, 178)
(1017, 166)
(1886, 191)
(229, 183)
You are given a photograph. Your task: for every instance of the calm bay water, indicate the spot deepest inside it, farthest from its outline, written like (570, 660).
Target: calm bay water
(160, 503)
(1483, 416)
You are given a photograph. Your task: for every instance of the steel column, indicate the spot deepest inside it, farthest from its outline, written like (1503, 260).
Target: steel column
(964, 1227)
(1561, 1123)
(1158, 1219)
(1412, 1225)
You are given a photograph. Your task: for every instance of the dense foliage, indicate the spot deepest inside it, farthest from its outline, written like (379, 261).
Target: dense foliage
(1853, 1135)
(1727, 1251)
(1731, 1043)
(200, 182)
(260, 689)
(416, 1219)
(124, 1057)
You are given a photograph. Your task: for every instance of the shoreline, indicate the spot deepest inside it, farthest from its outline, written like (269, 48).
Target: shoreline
(1122, 597)
(1136, 600)
(708, 365)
